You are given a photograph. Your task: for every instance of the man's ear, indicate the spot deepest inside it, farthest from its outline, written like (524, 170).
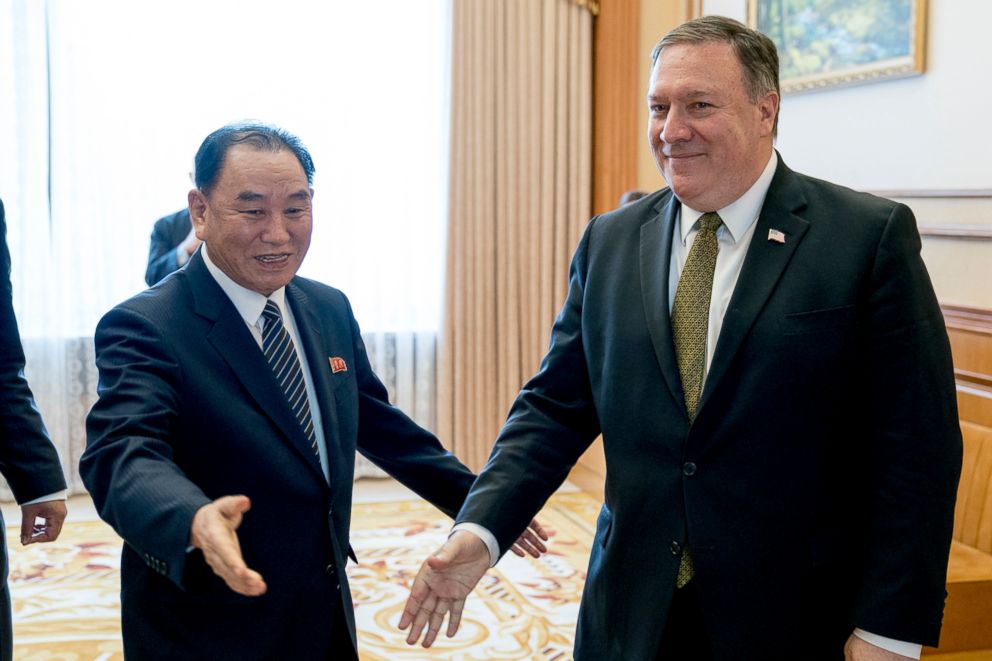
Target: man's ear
(768, 107)
(198, 212)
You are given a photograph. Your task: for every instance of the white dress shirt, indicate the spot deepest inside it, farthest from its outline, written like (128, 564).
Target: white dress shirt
(733, 239)
(250, 305)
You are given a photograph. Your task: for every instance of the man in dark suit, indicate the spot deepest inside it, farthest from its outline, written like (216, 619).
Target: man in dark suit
(232, 385)
(173, 242)
(28, 459)
(766, 360)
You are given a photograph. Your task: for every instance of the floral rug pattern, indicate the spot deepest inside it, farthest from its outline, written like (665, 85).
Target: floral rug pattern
(67, 607)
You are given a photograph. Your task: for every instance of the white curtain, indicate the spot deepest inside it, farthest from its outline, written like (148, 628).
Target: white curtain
(103, 104)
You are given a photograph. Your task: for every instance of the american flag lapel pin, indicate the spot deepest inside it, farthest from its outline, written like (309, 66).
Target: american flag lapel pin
(337, 364)
(776, 236)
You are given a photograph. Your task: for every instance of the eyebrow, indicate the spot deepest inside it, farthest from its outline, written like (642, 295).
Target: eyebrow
(249, 196)
(695, 94)
(301, 194)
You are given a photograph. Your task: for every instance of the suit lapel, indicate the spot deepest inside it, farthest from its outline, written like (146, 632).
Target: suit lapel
(655, 263)
(315, 343)
(764, 264)
(231, 338)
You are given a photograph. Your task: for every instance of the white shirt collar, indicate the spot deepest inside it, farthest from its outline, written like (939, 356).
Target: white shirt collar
(741, 213)
(248, 303)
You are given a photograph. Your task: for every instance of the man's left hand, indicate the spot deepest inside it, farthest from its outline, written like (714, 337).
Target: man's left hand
(52, 511)
(857, 649)
(531, 541)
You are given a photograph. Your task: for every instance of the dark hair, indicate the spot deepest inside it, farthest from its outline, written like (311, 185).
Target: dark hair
(632, 196)
(212, 152)
(755, 51)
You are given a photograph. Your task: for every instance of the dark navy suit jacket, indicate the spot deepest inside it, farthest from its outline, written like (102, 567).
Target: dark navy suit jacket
(189, 411)
(28, 459)
(816, 485)
(168, 232)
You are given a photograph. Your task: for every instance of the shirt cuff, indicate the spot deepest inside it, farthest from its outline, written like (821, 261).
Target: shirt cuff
(482, 533)
(58, 495)
(912, 650)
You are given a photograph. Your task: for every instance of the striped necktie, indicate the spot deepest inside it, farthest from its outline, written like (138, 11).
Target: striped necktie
(690, 326)
(281, 353)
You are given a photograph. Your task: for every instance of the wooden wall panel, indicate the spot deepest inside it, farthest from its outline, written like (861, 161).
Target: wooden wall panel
(616, 87)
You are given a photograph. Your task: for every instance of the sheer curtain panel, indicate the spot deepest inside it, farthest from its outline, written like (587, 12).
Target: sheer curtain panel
(103, 104)
(520, 193)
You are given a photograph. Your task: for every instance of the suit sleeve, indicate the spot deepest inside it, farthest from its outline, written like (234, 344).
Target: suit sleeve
(161, 254)
(401, 447)
(28, 459)
(128, 466)
(914, 454)
(551, 423)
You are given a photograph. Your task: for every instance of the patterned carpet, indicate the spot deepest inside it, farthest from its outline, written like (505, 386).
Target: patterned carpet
(66, 605)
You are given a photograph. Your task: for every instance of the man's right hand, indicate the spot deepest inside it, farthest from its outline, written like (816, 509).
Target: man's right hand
(443, 582)
(213, 532)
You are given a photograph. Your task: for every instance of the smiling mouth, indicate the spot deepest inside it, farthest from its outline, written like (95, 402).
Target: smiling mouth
(273, 259)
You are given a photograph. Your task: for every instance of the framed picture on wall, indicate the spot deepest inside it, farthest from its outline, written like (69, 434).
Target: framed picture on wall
(826, 43)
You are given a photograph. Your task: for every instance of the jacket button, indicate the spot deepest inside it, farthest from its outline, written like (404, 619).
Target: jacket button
(676, 548)
(688, 469)
(329, 570)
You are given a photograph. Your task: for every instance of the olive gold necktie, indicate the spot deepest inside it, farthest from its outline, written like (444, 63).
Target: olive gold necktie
(690, 325)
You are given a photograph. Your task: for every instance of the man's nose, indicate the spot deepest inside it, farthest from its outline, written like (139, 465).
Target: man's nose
(276, 231)
(676, 127)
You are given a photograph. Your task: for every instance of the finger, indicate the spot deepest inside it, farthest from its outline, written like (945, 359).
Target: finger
(53, 524)
(455, 617)
(418, 593)
(440, 560)
(536, 526)
(41, 533)
(27, 529)
(521, 548)
(249, 583)
(535, 545)
(421, 619)
(436, 620)
(232, 507)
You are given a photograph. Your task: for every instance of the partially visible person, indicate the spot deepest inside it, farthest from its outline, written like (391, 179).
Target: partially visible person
(766, 360)
(28, 459)
(632, 196)
(173, 242)
(236, 385)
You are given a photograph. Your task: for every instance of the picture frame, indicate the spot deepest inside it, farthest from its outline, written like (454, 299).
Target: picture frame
(830, 43)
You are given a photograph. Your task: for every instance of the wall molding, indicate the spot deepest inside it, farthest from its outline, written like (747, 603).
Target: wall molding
(957, 231)
(913, 193)
(970, 332)
(966, 318)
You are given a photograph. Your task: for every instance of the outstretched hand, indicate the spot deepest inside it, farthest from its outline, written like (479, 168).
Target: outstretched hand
(442, 584)
(531, 541)
(214, 531)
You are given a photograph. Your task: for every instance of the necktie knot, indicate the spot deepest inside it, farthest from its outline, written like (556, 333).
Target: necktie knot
(271, 313)
(709, 222)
